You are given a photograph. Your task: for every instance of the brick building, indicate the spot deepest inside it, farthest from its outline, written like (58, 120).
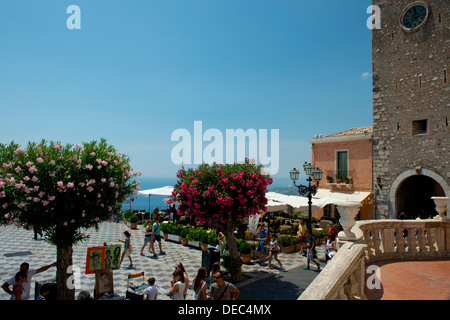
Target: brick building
(346, 161)
(411, 135)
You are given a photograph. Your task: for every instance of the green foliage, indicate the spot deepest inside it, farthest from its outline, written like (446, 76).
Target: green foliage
(185, 233)
(127, 214)
(245, 248)
(288, 240)
(195, 234)
(63, 189)
(133, 219)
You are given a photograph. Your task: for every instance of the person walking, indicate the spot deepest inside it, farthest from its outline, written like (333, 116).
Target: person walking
(222, 290)
(301, 235)
(127, 248)
(310, 250)
(199, 285)
(156, 230)
(274, 248)
(148, 237)
(177, 286)
(261, 249)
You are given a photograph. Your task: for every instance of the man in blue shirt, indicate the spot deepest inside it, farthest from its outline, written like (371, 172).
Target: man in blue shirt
(261, 236)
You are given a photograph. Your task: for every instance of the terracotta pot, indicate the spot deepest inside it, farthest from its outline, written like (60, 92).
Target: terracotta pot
(184, 241)
(246, 258)
(133, 225)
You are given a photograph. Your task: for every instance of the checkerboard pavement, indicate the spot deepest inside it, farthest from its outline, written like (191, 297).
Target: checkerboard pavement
(18, 245)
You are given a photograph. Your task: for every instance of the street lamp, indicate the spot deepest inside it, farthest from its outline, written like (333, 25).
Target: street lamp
(309, 190)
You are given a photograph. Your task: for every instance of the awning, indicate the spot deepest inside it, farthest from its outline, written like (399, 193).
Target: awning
(328, 196)
(294, 201)
(163, 191)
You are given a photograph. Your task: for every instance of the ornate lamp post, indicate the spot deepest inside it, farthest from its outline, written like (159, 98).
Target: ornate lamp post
(309, 190)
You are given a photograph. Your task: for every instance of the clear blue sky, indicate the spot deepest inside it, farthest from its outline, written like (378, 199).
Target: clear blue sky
(138, 70)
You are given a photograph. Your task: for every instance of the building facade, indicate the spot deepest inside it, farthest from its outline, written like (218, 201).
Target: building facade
(411, 134)
(346, 161)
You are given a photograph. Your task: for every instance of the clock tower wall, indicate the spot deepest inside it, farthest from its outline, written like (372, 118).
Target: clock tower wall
(410, 102)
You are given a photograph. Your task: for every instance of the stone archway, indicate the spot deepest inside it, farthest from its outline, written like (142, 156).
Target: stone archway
(411, 192)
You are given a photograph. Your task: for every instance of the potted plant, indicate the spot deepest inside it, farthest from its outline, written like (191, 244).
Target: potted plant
(245, 249)
(127, 214)
(287, 243)
(133, 221)
(338, 178)
(183, 236)
(329, 179)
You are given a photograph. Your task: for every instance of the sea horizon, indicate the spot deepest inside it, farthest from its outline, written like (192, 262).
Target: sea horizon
(142, 203)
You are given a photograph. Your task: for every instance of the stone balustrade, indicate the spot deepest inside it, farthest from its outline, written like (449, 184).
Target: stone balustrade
(344, 276)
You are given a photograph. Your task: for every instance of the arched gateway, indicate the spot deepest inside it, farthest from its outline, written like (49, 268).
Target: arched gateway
(411, 193)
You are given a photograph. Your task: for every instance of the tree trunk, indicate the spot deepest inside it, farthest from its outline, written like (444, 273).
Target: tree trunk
(64, 277)
(235, 257)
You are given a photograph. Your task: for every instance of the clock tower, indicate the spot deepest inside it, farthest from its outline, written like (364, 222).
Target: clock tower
(411, 107)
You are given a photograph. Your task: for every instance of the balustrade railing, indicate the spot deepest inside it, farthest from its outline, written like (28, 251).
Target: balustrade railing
(376, 240)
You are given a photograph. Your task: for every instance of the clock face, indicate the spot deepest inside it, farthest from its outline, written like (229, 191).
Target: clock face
(415, 16)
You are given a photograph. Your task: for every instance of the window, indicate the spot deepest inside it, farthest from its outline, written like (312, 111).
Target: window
(419, 127)
(341, 164)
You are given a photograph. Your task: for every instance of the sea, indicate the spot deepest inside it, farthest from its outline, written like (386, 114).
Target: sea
(148, 204)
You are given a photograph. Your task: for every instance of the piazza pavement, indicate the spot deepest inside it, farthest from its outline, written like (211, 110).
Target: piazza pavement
(18, 245)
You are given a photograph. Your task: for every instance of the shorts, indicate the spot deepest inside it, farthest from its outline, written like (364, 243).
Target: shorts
(261, 247)
(147, 238)
(157, 238)
(310, 255)
(128, 252)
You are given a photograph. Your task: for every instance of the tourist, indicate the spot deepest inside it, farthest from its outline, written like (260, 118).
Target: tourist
(156, 229)
(177, 286)
(18, 292)
(151, 292)
(330, 247)
(199, 285)
(127, 248)
(301, 235)
(214, 268)
(310, 250)
(27, 285)
(220, 240)
(84, 295)
(147, 237)
(333, 230)
(44, 291)
(179, 267)
(222, 290)
(274, 248)
(261, 237)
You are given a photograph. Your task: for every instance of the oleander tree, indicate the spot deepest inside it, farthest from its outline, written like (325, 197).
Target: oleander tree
(63, 190)
(222, 195)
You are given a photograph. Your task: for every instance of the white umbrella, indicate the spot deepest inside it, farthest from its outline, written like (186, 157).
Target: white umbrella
(296, 202)
(163, 191)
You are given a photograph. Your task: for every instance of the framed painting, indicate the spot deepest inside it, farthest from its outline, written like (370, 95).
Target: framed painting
(104, 282)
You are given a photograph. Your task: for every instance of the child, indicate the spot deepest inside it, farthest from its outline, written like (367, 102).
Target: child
(127, 248)
(274, 248)
(44, 292)
(310, 250)
(151, 292)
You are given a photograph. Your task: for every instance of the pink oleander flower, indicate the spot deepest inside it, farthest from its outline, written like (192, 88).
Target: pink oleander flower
(39, 160)
(60, 184)
(70, 185)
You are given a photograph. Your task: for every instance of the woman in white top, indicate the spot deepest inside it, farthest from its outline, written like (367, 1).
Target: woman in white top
(18, 290)
(177, 286)
(330, 247)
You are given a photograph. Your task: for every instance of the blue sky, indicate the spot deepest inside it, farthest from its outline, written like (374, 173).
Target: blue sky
(138, 70)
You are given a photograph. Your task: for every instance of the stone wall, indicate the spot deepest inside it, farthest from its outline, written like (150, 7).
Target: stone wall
(410, 83)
